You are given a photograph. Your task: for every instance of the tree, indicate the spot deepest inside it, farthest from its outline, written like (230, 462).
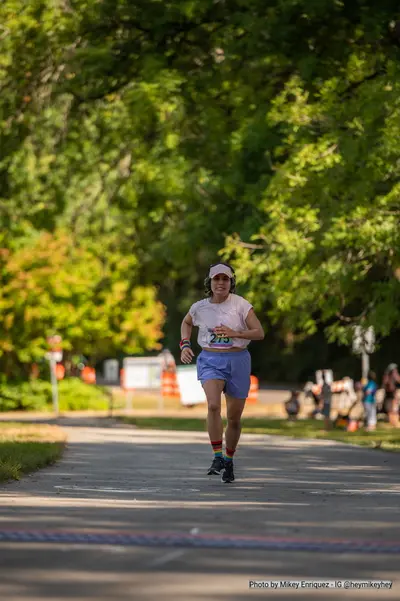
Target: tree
(328, 252)
(161, 130)
(52, 285)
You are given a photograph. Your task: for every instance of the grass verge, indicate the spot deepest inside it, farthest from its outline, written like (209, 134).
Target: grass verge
(27, 447)
(385, 436)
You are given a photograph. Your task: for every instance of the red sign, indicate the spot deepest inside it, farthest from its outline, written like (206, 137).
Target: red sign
(60, 371)
(54, 342)
(88, 375)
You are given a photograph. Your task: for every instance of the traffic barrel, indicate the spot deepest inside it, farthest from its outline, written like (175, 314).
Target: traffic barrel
(253, 392)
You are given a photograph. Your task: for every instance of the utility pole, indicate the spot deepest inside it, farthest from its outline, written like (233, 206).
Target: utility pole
(54, 356)
(364, 345)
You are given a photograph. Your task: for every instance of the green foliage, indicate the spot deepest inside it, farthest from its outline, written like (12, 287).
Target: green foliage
(53, 285)
(139, 139)
(75, 395)
(329, 249)
(36, 395)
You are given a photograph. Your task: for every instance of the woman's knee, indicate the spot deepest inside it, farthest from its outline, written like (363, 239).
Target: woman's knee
(234, 410)
(214, 406)
(213, 390)
(234, 422)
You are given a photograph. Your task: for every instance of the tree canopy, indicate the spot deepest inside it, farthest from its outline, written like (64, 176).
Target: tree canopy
(139, 141)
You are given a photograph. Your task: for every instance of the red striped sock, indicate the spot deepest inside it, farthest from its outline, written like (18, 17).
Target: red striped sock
(217, 448)
(229, 453)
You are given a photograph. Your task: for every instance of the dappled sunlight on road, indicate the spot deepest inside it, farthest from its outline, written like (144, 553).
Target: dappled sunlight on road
(120, 480)
(113, 572)
(153, 478)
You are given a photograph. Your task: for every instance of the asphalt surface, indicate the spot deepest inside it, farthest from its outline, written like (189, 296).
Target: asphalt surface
(124, 480)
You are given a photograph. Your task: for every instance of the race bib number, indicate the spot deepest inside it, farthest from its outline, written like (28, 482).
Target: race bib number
(216, 341)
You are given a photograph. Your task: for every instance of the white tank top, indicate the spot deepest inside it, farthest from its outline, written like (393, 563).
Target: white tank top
(231, 313)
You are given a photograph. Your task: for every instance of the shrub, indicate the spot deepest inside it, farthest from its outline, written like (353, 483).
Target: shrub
(75, 395)
(36, 395)
(31, 396)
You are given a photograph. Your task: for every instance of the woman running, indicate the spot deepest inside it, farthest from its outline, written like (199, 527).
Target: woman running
(227, 323)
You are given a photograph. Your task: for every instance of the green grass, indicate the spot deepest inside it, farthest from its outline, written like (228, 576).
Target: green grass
(148, 402)
(385, 437)
(27, 447)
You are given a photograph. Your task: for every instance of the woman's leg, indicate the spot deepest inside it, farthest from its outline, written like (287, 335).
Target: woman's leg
(237, 391)
(372, 416)
(394, 412)
(234, 410)
(366, 415)
(213, 390)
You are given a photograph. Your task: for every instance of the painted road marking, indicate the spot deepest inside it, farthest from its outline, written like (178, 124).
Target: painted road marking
(349, 492)
(150, 539)
(124, 490)
(164, 559)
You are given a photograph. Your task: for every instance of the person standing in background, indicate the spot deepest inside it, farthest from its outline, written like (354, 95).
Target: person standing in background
(326, 396)
(390, 383)
(369, 401)
(292, 405)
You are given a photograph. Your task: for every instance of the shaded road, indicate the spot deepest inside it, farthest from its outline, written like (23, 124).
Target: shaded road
(115, 479)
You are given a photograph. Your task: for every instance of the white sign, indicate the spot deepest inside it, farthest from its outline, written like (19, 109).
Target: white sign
(142, 372)
(190, 388)
(54, 341)
(56, 355)
(111, 370)
(328, 373)
(363, 340)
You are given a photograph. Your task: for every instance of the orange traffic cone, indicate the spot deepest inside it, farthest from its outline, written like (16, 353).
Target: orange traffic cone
(253, 392)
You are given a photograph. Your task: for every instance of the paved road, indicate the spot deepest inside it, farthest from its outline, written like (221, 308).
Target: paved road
(115, 479)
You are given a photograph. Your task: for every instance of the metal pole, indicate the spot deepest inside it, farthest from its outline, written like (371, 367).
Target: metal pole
(54, 385)
(129, 398)
(365, 365)
(110, 402)
(160, 401)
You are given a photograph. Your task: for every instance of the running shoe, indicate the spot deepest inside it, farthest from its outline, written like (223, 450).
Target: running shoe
(217, 466)
(227, 474)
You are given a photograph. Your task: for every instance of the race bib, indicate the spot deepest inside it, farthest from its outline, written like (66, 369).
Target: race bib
(216, 341)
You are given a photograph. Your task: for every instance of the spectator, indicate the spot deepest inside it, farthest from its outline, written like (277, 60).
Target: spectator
(391, 381)
(316, 397)
(292, 406)
(369, 401)
(167, 360)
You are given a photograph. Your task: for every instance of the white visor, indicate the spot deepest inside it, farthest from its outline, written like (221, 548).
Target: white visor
(220, 268)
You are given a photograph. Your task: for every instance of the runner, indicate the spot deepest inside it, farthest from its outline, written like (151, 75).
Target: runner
(227, 323)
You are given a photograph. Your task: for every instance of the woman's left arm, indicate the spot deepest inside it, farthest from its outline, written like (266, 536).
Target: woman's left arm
(255, 331)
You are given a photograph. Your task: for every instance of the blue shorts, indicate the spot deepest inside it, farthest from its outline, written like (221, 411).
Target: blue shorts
(234, 368)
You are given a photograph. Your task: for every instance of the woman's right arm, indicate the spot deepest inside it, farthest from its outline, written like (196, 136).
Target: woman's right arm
(186, 333)
(186, 327)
